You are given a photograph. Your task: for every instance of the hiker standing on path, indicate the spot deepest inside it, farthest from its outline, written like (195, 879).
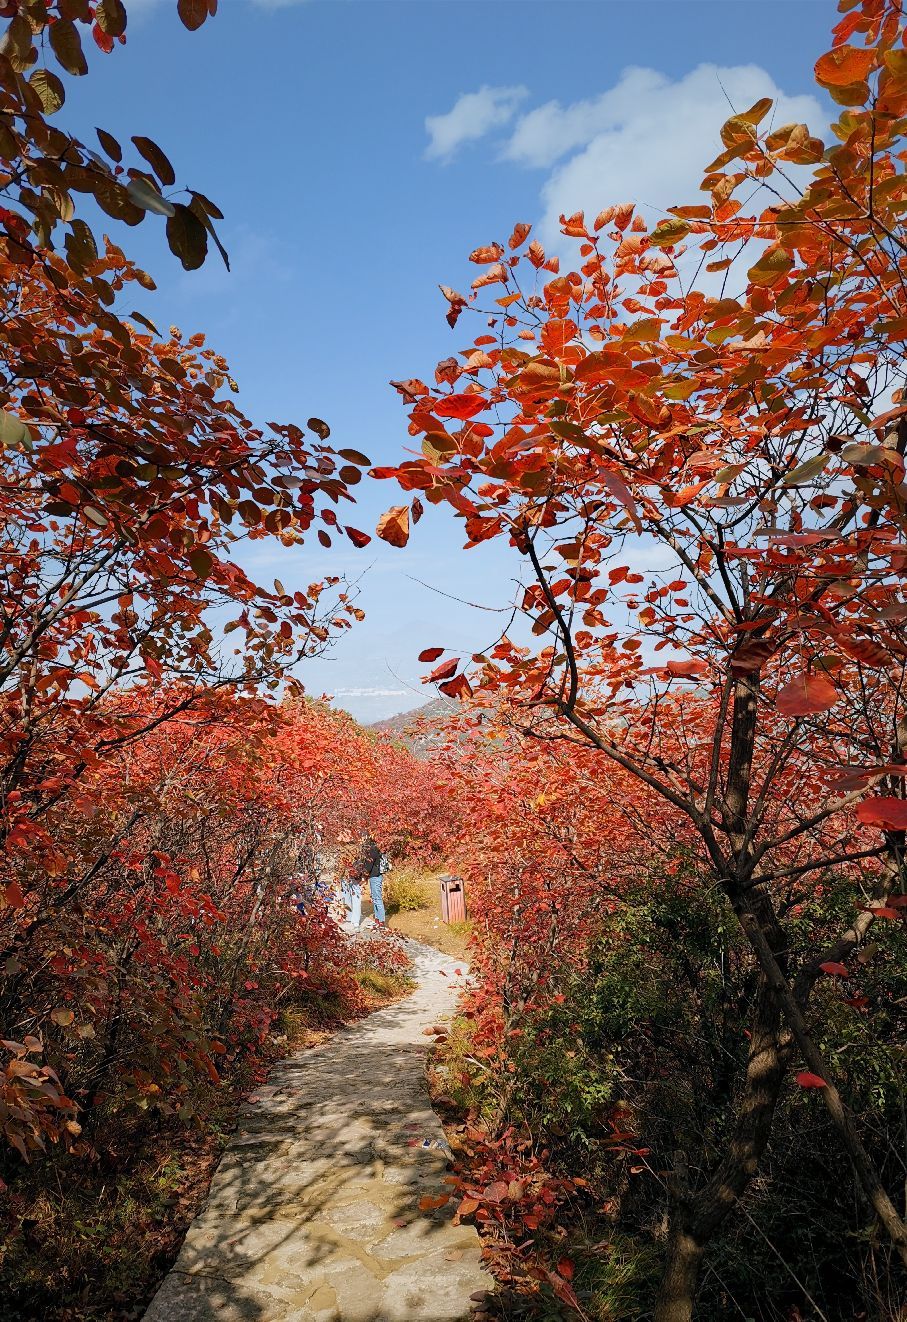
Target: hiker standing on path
(367, 866)
(377, 866)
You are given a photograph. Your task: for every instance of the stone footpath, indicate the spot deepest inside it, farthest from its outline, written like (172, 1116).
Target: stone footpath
(313, 1214)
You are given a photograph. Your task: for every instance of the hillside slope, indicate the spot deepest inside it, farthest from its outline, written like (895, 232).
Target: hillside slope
(414, 728)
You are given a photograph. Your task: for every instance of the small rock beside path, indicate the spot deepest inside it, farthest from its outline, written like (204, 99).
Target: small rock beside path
(313, 1212)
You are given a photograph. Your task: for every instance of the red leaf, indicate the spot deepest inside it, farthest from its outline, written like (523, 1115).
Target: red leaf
(14, 897)
(806, 695)
(885, 811)
(458, 687)
(564, 1291)
(192, 13)
(411, 389)
(495, 1191)
(686, 669)
(465, 405)
(431, 654)
(358, 538)
(102, 39)
(808, 1080)
(444, 671)
(751, 656)
(833, 967)
(618, 487)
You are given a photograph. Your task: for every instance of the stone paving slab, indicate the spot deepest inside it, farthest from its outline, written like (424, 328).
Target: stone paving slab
(313, 1214)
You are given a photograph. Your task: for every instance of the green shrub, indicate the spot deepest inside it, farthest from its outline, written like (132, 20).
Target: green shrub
(406, 890)
(647, 1035)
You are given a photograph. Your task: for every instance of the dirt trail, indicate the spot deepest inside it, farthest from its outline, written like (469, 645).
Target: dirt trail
(313, 1211)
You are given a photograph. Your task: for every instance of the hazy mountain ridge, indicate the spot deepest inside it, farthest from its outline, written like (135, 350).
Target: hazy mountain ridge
(413, 727)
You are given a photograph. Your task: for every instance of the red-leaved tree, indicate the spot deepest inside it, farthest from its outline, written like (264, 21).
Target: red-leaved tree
(746, 434)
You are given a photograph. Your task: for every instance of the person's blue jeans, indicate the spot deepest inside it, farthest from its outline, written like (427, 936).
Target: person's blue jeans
(376, 889)
(352, 898)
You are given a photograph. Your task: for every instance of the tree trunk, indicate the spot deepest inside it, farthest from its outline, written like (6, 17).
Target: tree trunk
(867, 1176)
(697, 1214)
(677, 1291)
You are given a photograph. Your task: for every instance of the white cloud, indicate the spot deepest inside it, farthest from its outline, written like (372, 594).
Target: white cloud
(472, 116)
(551, 130)
(370, 693)
(645, 140)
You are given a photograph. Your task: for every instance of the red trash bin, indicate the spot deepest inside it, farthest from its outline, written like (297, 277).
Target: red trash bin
(453, 900)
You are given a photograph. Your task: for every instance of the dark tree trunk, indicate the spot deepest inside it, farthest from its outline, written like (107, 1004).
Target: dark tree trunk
(697, 1214)
(677, 1292)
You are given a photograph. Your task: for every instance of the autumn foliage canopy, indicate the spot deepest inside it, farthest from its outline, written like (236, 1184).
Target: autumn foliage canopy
(158, 812)
(677, 787)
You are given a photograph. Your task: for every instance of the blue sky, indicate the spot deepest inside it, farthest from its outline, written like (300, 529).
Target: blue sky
(359, 149)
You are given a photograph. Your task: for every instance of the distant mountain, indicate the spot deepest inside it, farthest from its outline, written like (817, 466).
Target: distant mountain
(414, 727)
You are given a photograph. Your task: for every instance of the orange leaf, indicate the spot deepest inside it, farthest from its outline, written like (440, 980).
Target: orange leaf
(556, 335)
(492, 252)
(393, 526)
(843, 65)
(645, 330)
(574, 225)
